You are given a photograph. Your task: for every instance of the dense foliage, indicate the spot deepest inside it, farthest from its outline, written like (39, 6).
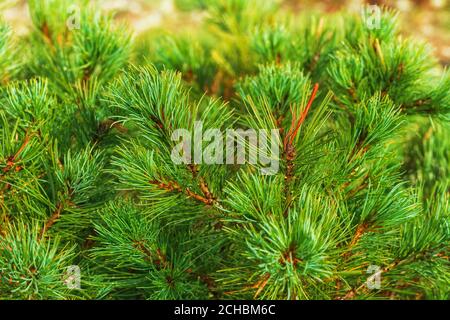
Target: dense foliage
(87, 113)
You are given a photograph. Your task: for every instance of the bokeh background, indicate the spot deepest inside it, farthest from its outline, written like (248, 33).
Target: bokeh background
(426, 19)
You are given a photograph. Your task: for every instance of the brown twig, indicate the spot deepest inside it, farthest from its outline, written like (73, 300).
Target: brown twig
(204, 187)
(47, 34)
(296, 124)
(174, 186)
(139, 245)
(199, 197)
(54, 217)
(360, 230)
(194, 170)
(289, 148)
(217, 80)
(160, 260)
(11, 161)
(289, 257)
(169, 186)
(261, 284)
(202, 183)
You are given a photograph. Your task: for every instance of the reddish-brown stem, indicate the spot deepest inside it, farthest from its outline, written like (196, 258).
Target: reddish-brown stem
(174, 186)
(199, 197)
(305, 112)
(11, 160)
(54, 217)
(296, 124)
(360, 230)
(289, 149)
(47, 34)
(22, 147)
(260, 285)
(202, 184)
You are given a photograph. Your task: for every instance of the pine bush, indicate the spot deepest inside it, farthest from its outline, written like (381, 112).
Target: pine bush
(88, 180)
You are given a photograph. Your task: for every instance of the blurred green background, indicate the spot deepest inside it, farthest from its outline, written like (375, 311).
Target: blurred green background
(426, 19)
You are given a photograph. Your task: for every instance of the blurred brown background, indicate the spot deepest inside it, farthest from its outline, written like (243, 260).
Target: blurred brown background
(426, 19)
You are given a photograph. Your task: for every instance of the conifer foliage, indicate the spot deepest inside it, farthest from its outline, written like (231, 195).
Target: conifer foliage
(88, 179)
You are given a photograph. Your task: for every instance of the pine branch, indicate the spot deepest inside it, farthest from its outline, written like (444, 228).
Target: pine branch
(351, 294)
(289, 148)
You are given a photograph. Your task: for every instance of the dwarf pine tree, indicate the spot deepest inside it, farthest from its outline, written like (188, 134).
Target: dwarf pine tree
(90, 118)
